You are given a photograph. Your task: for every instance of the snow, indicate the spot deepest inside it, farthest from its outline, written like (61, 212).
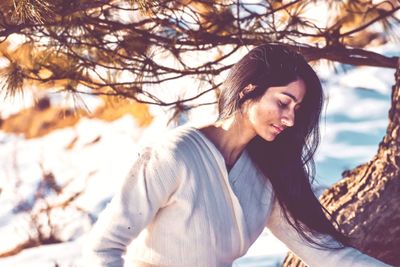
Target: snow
(95, 156)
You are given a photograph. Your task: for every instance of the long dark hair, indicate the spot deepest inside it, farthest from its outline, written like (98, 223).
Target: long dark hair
(290, 167)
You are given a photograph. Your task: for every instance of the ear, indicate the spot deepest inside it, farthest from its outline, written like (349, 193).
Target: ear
(249, 88)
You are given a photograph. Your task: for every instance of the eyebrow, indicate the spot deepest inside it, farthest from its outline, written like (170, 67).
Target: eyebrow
(292, 97)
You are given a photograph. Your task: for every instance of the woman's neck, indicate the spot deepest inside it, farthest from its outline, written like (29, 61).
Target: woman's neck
(230, 136)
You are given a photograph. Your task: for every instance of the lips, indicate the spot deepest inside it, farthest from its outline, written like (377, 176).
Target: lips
(277, 128)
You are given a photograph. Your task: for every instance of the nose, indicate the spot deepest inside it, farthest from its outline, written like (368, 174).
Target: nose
(288, 119)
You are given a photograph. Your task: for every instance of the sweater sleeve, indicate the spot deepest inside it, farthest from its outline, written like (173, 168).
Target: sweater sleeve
(309, 254)
(145, 190)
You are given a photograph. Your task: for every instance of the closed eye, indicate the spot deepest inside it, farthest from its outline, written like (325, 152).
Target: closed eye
(286, 105)
(283, 104)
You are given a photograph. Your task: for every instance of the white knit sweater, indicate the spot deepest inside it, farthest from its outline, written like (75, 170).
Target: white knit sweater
(179, 207)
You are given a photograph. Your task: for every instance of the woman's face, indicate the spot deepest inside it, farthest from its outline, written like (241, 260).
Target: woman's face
(275, 110)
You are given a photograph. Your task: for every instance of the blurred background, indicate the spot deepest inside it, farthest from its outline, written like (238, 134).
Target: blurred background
(67, 141)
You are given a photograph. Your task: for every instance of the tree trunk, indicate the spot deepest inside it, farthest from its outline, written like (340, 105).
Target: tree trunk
(366, 202)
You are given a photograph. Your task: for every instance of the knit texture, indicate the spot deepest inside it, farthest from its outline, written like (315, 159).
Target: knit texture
(180, 207)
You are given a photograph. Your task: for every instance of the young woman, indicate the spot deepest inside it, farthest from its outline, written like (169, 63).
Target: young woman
(202, 196)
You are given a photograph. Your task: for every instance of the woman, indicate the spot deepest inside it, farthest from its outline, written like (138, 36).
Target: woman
(201, 197)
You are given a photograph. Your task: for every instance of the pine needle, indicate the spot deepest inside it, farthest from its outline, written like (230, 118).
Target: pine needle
(12, 80)
(145, 7)
(35, 11)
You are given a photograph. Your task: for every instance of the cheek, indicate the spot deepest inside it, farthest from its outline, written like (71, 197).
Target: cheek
(268, 111)
(262, 114)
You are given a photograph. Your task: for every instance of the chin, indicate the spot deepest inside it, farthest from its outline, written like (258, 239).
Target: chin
(268, 137)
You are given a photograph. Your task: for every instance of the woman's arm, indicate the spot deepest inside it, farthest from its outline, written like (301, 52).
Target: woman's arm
(313, 257)
(148, 186)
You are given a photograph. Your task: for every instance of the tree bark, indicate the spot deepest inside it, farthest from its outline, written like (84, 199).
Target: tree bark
(366, 202)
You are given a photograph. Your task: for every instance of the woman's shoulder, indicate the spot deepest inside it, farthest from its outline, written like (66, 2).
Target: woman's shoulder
(177, 142)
